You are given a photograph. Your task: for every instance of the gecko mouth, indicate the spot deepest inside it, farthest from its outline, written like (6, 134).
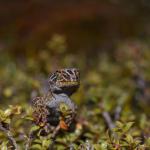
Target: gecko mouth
(67, 83)
(67, 87)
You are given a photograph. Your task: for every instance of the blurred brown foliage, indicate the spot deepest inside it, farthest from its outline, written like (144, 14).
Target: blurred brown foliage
(86, 24)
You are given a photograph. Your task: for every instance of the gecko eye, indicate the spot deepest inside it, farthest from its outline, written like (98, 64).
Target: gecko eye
(53, 78)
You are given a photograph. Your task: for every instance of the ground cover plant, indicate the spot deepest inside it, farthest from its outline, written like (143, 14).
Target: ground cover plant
(112, 101)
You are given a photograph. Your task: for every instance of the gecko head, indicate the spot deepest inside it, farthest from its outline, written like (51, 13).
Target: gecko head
(65, 80)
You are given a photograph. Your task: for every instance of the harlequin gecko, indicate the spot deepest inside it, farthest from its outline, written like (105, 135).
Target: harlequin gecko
(56, 106)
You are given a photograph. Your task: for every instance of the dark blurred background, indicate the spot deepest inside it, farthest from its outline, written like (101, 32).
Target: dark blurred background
(87, 25)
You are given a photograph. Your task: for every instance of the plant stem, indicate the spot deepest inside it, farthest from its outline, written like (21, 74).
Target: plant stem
(108, 120)
(53, 137)
(9, 136)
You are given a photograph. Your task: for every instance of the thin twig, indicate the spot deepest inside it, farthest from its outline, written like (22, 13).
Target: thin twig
(106, 117)
(55, 132)
(53, 137)
(9, 136)
(118, 112)
(108, 120)
(29, 141)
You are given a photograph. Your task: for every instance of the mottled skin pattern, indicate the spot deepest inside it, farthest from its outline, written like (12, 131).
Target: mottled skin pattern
(48, 110)
(64, 81)
(40, 111)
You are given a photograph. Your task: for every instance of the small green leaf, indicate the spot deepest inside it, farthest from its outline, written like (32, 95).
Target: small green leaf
(119, 124)
(128, 126)
(148, 142)
(97, 146)
(8, 112)
(3, 146)
(34, 128)
(36, 147)
(37, 141)
(29, 118)
(129, 138)
(45, 143)
(104, 146)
